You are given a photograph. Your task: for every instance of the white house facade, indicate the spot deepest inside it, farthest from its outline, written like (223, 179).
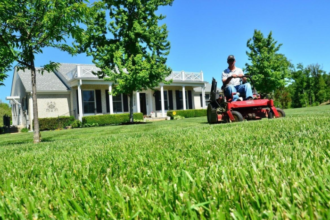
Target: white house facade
(73, 90)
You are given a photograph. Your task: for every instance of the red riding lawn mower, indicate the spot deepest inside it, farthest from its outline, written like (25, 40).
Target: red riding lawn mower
(221, 109)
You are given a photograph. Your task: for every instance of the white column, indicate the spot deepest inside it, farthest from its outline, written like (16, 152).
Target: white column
(31, 112)
(203, 97)
(78, 71)
(21, 113)
(80, 100)
(151, 106)
(110, 100)
(138, 102)
(71, 103)
(162, 99)
(184, 97)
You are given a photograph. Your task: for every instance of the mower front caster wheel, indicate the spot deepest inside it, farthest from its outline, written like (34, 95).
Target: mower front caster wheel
(238, 116)
(281, 113)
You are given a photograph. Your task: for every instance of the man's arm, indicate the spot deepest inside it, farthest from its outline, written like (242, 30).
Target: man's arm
(244, 78)
(225, 81)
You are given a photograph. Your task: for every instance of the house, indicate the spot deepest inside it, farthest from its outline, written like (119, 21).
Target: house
(72, 90)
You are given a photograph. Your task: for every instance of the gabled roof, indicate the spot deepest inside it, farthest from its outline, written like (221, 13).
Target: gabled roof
(59, 80)
(49, 81)
(207, 88)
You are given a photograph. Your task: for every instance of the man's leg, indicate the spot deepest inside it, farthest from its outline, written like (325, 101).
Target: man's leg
(228, 92)
(245, 90)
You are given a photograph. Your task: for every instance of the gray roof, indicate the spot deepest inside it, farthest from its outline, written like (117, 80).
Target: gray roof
(69, 71)
(46, 82)
(207, 88)
(65, 68)
(66, 72)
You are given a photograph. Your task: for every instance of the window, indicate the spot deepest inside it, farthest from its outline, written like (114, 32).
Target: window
(165, 100)
(88, 102)
(117, 103)
(187, 100)
(180, 100)
(207, 97)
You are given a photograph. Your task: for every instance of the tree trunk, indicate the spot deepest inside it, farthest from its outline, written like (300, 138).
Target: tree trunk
(131, 119)
(36, 135)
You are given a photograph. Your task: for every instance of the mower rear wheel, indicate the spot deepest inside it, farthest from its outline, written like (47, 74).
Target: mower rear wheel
(238, 116)
(211, 114)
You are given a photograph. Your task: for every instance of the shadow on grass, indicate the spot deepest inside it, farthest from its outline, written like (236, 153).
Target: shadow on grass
(135, 123)
(30, 141)
(9, 143)
(45, 140)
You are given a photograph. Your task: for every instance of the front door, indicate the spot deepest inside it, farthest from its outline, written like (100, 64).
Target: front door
(143, 103)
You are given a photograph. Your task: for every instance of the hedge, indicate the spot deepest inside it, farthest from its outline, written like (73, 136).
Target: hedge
(55, 123)
(187, 113)
(110, 119)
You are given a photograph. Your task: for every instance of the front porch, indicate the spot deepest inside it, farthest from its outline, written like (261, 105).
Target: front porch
(90, 95)
(89, 98)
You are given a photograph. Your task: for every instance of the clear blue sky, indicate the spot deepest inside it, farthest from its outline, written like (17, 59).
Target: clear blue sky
(204, 32)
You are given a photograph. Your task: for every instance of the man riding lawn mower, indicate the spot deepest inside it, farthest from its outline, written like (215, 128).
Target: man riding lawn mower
(232, 109)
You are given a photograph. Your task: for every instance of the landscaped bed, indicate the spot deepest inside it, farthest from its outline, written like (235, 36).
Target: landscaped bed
(172, 169)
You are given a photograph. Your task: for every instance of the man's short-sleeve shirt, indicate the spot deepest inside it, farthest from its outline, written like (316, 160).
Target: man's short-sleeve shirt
(234, 81)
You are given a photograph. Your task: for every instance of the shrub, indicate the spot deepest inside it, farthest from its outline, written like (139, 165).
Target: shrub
(4, 110)
(91, 125)
(55, 123)
(178, 117)
(110, 119)
(76, 124)
(24, 130)
(187, 113)
(2, 130)
(316, 104)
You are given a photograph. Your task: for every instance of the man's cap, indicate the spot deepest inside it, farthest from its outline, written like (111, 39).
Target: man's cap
(230, 57)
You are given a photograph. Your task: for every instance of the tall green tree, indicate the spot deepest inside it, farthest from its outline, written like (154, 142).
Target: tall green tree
(327, 83)
(131, 50)
(317, 86)
(5, 109)
(300, 92)
(283, 96)
(28, 26)
(269, 69)
(309, 85)
(5, 63)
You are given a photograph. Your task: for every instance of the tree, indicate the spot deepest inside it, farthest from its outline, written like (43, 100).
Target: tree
(300, 91)
(316, 83)
(327, 82)
(283, 96)
(5, 109)
(5, 63)
(134, 58)
(309, 85)
(28, 26)
(269, 69)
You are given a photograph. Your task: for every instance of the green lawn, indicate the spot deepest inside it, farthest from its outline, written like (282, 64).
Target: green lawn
(185, 169)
